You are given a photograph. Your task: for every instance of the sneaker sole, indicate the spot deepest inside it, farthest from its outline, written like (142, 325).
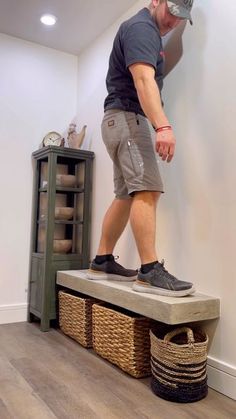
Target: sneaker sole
(150, 289)
(90, 274)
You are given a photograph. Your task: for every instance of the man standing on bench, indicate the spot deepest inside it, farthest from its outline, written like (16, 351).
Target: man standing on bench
(134, 82)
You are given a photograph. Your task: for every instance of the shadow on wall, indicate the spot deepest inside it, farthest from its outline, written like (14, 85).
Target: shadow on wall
(174, 48)
(181, 101)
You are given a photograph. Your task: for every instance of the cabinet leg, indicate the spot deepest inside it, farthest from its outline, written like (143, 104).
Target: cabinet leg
(31, 317)
(45, 325)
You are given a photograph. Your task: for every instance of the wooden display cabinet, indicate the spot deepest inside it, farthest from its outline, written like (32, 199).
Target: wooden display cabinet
(60, 224)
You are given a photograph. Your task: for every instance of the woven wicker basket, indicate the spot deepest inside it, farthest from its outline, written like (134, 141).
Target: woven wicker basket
(179, 367)
(122, 338)
(75, 317)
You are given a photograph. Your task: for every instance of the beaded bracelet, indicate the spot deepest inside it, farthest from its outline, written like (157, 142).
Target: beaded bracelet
(164, 128)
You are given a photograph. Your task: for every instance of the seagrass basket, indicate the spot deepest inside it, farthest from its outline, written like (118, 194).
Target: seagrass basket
(122, 337)
(75, 317)
(178, 362)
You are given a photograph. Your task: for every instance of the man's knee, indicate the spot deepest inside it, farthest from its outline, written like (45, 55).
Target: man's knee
(147, 195)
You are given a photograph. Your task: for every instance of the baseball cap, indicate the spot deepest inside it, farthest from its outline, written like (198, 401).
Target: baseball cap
(181, 8)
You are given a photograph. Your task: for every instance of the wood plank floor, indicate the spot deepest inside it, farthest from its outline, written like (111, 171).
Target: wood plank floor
(48, 375)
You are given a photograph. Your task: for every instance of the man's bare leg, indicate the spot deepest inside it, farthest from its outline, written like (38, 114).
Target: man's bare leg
(104, 266)
(113, 225)
(153, 277)
(143, 223)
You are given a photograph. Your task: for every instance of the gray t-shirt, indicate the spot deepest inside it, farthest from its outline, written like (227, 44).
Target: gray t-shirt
(137, 40)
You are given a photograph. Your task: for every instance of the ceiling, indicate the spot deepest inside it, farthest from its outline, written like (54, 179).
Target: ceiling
(79, 22)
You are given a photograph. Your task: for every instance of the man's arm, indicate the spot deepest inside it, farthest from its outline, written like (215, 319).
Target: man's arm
(150, 101)
(173, 48)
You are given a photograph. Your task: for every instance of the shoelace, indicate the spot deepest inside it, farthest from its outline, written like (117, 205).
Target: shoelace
(163, 263)
(171, 277)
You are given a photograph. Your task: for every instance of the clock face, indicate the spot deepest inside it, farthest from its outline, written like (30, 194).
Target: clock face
(52, 138)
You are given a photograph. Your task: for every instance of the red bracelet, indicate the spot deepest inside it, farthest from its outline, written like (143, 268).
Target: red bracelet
(164, 128)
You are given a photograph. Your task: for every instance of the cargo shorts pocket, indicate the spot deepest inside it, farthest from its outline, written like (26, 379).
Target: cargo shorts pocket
(112, 126)
(136, 159)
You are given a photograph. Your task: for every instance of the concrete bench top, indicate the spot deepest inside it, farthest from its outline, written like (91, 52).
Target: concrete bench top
(167, 310)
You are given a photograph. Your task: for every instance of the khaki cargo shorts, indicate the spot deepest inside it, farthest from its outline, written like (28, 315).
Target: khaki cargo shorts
(128, 139)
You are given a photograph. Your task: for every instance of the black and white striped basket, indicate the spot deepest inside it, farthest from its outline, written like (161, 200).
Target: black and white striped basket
(178, 364)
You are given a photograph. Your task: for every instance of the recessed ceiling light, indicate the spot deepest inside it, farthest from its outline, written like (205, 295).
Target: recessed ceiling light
(48, 20)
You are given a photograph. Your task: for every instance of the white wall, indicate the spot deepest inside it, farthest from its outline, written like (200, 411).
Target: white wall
(38, 93)
(197, 214)
(196, 221)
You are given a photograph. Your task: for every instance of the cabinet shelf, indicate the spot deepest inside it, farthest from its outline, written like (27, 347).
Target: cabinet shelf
(63, 189)
(63, 222)
(76, 257)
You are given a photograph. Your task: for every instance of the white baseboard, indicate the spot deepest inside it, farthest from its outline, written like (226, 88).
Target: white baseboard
(222, 377)
(13, 313)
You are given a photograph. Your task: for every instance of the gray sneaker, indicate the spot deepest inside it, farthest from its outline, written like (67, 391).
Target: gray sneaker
(159, 281)
(111, 270)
